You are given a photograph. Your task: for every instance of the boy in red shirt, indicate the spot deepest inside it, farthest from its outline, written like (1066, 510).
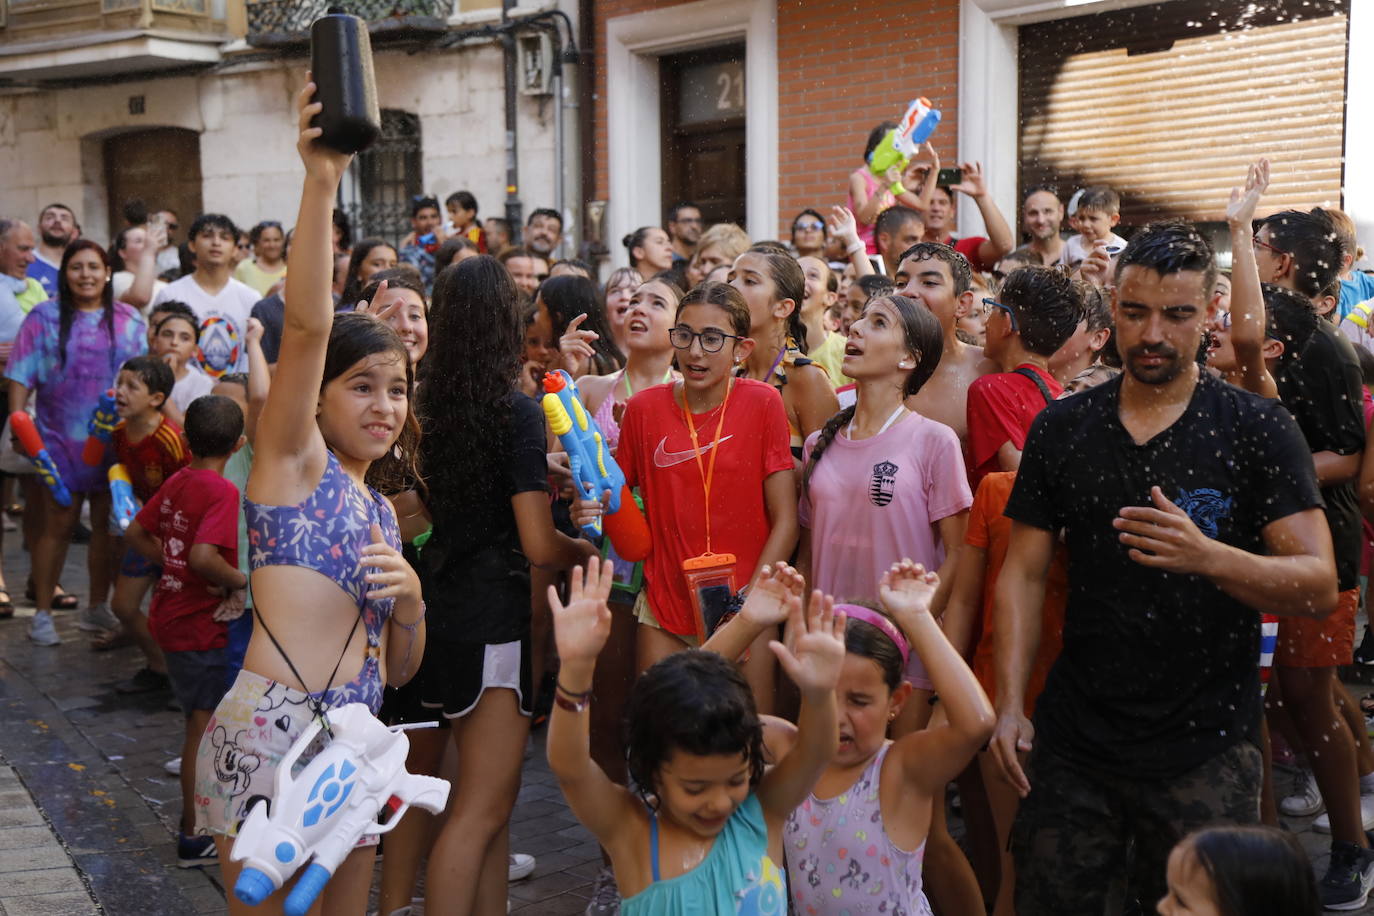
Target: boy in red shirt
(151, 448)
(190, 527)
(1036, 311)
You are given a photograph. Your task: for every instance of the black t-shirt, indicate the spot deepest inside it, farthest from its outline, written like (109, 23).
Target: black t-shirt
(1159, 671)
(1324, 389)
(475, 579)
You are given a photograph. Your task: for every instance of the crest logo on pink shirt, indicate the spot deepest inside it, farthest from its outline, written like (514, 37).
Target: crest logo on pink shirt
(884, 481)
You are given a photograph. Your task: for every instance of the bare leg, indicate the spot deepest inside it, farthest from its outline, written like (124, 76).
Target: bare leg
(50, 550)
(1269, 806)
(345, 894)
(195, 729)
(491, 746)
(1310, 696)
(950, 882)
(653, 644)
(1003, 801)
(615, 675)
(760, 671)
(409, 841)
(980, 831)
(1354, 719)
(100, 554)
(126, 605)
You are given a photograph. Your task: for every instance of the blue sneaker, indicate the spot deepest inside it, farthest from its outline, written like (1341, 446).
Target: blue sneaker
(42, 630)
(195, 851)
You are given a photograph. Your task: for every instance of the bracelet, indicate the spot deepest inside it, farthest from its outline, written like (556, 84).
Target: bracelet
(571, 694)
(856, 247)
(897, 188)
(564, 702)
(410, 627)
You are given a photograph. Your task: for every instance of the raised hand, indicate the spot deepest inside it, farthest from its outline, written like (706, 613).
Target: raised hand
(582, 626)
(321, 162)
(842, 225)
(576, 347)
(391, 575)
(768, 602)
(1097, 266)
(379, 308)
(252, 333)
(1241, 209)
(906, 591)
(814, 652)
(973, 183)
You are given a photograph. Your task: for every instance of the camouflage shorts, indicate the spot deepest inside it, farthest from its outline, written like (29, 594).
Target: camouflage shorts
(1092, 844)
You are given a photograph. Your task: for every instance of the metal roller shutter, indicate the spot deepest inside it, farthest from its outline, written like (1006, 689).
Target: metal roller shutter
(1168, 103)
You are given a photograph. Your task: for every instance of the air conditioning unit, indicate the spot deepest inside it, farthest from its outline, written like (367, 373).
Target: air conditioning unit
(536, 61)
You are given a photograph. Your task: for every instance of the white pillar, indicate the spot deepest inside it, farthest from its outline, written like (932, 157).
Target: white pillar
(988, 123)
(1359, 127)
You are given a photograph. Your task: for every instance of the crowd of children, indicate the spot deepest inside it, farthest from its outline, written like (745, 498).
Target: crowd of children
(949, 489)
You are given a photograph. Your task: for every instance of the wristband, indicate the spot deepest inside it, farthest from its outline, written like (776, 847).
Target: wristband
(410, 627)
(897, 188)
(856, 247)
(567, 699)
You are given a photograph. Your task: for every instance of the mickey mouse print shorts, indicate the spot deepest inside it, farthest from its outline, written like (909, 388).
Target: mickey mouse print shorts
(249, 734)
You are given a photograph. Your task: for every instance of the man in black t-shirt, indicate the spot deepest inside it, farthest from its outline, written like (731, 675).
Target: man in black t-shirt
(1188, 507)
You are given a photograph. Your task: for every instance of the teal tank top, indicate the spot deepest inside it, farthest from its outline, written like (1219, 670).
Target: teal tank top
(737, 876)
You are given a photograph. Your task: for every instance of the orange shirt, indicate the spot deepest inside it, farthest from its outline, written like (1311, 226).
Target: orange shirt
(989, 530)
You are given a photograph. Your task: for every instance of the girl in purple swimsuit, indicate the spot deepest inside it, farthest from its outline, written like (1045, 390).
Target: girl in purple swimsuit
(338, 609)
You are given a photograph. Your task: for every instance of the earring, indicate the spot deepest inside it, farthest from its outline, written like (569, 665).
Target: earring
(891, 716)
(903, 365)
(396, 450)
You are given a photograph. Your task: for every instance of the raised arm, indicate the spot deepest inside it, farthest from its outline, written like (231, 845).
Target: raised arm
(931, 757)
(287, 436)
(259, 378)
(1018, 609)
(866, 207)
(999, 240)
(581, 628)
(843, 227)
(812, 657)
(144, 268)
(767, 605)
(1247, 297)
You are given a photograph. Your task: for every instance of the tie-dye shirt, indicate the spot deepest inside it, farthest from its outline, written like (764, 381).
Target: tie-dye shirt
(65, 394)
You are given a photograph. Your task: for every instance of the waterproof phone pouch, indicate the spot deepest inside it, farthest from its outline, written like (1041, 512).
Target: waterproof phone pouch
(711, 584)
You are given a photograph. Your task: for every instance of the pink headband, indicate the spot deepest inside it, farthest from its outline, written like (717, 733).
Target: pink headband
(873, 618)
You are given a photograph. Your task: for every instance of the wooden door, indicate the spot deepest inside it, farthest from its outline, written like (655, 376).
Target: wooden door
(160, 166)
(703, 132)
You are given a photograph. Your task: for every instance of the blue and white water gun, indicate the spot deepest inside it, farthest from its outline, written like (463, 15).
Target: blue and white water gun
(356, 785)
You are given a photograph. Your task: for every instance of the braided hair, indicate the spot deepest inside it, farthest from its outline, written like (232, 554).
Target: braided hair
(924, 336)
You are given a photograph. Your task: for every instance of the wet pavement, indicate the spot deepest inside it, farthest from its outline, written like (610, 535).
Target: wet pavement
(88, 815)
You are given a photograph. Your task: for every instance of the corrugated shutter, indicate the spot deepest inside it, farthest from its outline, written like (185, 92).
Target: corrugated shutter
(1168, 103)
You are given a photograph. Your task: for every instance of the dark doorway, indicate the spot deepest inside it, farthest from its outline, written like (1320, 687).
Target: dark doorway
(703, 131)
(161, 167)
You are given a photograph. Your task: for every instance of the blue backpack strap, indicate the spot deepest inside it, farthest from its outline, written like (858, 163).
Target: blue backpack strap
(653, 846)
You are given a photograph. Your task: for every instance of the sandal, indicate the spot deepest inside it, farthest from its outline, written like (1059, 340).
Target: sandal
(61, 601)
(6, 605)
(112, 639)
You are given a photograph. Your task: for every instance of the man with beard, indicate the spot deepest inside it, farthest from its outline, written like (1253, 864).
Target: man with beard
(56, 230)
(1042, 215)
(543, 232)
(1188, 508)
(684, 229)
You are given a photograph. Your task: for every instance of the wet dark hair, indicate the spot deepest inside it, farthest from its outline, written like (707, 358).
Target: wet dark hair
(1097, 306)
(891, 220)
(576, 264)
(1256, 871)
(174, 308)
(788, 283)
(477, 340)
(568, 296)
(959, 270)
(339, 219)
(876, 285)
(213, 221)
(1168, 247)
(353, 289)
(923, 335)
(1313, 240)
(353, 337)
(155, 375)
(66, 303)
(723, 296)
(635, 240)
(675, 209)
(863, 639)
(424, 202)
(1289, 319)
(875, 136)
(1048, 307)
(449, 250)
(213, 426)
(695, 702)
(403, 276)
(464, 199)
(1366, 365)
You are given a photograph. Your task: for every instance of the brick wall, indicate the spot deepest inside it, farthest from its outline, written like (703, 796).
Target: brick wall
(842, 67)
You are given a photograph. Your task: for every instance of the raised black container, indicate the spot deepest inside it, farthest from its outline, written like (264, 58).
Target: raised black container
(341, 61)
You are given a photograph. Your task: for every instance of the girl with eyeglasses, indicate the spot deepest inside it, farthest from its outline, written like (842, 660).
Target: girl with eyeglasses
(268, 264)
(808, 235)
(710, 456)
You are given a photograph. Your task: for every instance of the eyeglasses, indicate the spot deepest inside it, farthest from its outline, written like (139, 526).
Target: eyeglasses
(1255, 240)
(807, 227)
(711, 339)
(173, 227)
(1011, 315)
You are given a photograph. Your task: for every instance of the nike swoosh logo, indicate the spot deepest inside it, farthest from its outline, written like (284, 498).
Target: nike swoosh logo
(667, 459)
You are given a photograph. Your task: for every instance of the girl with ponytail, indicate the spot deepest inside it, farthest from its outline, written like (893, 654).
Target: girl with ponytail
(774, 287)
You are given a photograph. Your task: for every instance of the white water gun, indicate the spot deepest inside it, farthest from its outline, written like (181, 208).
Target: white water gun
(356, 785)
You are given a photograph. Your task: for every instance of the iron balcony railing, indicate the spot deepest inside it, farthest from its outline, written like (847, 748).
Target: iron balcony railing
(274, 23)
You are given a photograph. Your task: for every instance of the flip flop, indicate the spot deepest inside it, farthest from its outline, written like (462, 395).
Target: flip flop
(112, 639)
(6, 605)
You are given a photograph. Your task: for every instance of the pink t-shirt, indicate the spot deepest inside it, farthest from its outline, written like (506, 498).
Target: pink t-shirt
(878, 500)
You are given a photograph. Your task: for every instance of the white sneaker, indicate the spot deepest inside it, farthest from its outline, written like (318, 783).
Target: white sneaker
(521, 866)
(97, 619)
(42, 630)
(173, 766)
(1308, 800)
(1323, 823)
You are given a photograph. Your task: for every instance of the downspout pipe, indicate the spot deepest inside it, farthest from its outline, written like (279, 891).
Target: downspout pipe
(514, 210)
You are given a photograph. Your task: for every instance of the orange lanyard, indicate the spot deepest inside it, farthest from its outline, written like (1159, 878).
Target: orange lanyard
(707, 474)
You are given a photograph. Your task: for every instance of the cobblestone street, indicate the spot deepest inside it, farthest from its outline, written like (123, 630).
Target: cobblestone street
(88, 815)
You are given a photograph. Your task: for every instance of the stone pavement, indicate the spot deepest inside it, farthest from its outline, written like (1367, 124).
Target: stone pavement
(88, 816)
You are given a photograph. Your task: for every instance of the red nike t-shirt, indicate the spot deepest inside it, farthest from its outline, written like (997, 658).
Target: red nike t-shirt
(1001, 408)
(656, 454)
